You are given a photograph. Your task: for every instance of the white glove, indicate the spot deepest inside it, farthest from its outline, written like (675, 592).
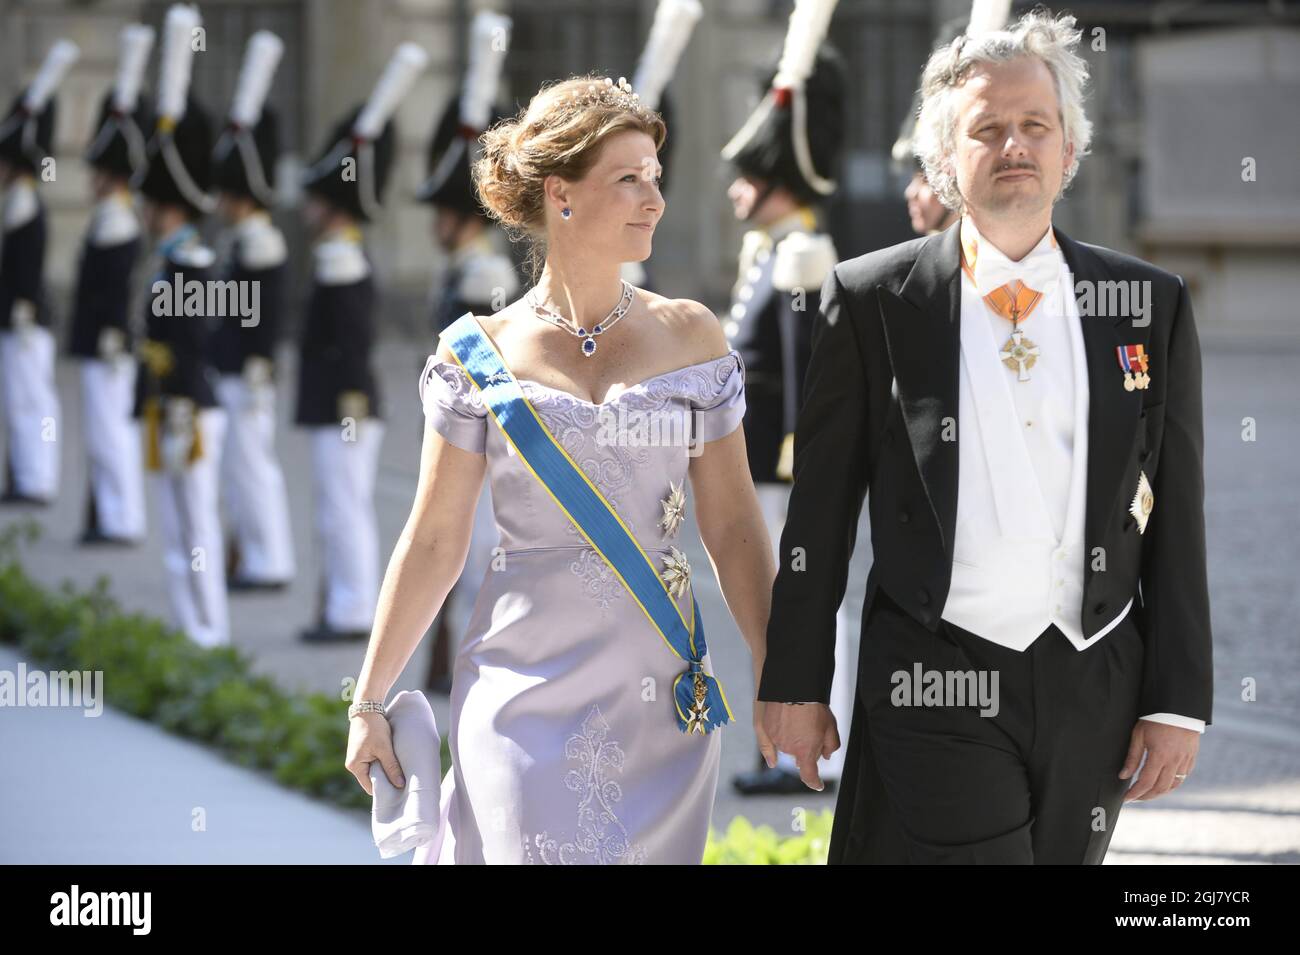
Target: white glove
(112, 350)
(24, 320)
(177, 439)
(111, 343)
(257, 384)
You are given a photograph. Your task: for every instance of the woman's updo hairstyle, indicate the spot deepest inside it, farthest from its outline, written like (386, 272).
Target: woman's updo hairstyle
(559, 133)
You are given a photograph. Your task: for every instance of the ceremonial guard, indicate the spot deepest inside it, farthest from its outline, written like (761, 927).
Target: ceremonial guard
(26, 342)
(669, 33)
(924, 210)
(255, 259)
(175, 395)
(101, 337)
(478, 278)
(338, 396)
(785, 155)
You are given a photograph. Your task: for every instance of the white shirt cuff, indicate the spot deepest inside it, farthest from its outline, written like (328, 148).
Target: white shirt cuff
(1173, 719)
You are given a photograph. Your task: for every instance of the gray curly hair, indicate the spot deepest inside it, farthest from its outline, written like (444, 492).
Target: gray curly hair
(1052, 39)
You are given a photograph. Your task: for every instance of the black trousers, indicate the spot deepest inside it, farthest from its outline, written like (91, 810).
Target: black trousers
(1036, 783)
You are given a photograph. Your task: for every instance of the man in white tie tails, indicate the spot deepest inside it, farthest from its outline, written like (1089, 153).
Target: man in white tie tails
(1016, 436)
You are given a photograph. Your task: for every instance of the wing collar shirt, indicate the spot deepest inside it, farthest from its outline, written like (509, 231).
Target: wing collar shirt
(1019, 551)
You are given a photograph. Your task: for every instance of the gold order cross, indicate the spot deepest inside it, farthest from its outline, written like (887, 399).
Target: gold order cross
(697, 722)
(1019, 354)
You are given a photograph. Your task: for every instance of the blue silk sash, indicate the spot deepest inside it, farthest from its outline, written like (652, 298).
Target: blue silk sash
(699, 701)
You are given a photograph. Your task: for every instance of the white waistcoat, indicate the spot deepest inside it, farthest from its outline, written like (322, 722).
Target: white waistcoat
(1019, 551)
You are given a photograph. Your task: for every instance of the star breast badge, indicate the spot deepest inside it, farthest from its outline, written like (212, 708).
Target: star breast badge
(676, 573)
(1143, 501)
(674, 509)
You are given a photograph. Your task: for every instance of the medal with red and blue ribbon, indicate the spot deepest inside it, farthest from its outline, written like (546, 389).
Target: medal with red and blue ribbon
(1134, 360)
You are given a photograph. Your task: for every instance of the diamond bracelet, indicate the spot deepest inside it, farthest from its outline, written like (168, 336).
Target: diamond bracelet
(366, 706)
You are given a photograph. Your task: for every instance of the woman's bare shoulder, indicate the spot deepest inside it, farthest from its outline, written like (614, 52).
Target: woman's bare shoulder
(491, 323)
(693, 324)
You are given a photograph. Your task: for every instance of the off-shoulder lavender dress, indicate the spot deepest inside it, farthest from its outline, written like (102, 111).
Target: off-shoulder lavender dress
(563, 734)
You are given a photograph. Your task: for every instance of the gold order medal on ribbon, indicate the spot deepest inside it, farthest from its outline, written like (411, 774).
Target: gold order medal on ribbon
(677, 577)
(699, 714)
(1135, 361)
(1019, 354)
(1013, 301)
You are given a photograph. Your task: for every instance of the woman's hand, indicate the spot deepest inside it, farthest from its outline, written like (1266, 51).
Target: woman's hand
(370, 738)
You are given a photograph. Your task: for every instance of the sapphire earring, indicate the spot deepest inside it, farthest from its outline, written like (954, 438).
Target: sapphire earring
(566, 212)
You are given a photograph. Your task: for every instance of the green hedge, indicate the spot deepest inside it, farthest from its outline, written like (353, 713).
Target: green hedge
(745, 844)
(156, 673)
(212, 695)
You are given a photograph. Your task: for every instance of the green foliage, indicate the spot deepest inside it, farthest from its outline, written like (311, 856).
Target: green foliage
(745, 844)
(212, 695)
(154, 672)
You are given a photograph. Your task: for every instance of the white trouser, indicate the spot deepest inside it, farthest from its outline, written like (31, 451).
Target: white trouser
(191, 531)
(483, 539)
(114, 461)
(253, 484)
(31, 410)
(343, 474)
(772, 501)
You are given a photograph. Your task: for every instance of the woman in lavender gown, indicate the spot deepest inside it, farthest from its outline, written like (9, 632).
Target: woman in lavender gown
(565, 738)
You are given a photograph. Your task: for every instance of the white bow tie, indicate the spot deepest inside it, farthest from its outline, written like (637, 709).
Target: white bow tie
(1040, 270)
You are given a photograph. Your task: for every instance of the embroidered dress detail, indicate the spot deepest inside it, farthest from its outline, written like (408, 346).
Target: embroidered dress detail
(601, 838)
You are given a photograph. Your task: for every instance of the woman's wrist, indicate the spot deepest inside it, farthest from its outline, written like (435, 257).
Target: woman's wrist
(366, 706)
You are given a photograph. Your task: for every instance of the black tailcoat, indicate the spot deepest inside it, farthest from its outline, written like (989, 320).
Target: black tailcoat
(881, 380)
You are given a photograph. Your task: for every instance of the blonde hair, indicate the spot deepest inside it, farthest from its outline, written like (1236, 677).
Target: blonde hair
(1052, 40)
(559, 133)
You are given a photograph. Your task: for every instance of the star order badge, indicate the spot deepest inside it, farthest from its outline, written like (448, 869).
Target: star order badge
(674, 509)
(1143, 501)
(676, 573)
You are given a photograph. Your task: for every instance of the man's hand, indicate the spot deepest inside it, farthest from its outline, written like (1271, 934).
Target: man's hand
(1170, 752)
(805, 731)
